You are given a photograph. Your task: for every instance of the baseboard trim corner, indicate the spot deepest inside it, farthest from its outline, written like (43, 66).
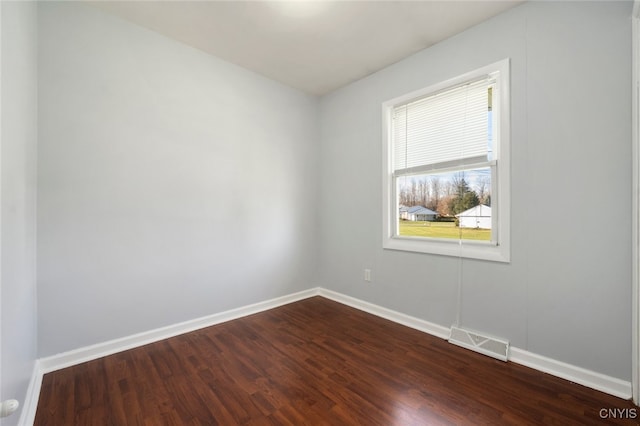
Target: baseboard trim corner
(30, 404)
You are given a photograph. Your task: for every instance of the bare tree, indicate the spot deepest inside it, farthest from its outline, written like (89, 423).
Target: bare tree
(483, 189)
(435, 189)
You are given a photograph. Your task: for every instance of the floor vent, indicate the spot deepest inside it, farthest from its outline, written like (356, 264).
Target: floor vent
(486, 345)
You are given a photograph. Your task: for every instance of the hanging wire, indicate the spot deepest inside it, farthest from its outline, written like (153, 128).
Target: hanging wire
(460, 182)
(406, 144)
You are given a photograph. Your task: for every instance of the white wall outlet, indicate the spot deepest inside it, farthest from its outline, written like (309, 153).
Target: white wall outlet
(367, 275)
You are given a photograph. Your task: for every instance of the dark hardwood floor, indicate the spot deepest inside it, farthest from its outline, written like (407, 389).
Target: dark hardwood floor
(314, 362)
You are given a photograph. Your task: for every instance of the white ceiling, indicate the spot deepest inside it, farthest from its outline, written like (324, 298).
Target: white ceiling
(314, 46)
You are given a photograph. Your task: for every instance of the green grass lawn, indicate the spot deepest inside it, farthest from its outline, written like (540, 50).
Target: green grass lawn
(442, 230)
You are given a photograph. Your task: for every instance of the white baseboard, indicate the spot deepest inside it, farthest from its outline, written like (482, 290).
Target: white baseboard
(88, 353)
(591, 379)
(28, 413)
(582, 376)
(588, 378)
(397, 317)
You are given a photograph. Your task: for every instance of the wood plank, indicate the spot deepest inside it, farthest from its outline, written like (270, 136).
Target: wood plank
(313, 362)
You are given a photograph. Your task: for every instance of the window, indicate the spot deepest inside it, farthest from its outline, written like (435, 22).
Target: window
(446, 167)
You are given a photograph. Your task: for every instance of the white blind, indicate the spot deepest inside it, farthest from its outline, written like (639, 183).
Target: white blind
(448, 126)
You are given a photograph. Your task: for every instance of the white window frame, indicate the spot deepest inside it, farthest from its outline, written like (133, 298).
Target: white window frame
(499, 248)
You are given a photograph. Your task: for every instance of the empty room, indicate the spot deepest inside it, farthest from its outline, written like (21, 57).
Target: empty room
(319, 212)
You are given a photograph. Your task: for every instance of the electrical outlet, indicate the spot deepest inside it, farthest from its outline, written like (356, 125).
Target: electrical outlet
(367, 275)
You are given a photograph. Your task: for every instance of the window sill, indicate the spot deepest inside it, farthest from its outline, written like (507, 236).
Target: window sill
(468, 249)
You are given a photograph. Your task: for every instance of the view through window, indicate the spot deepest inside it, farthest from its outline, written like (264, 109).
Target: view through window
(446, 205)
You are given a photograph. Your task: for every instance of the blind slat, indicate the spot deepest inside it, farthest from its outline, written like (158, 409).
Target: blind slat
(451, 125)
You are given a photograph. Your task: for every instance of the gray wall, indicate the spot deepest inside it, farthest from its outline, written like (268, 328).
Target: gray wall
(567, 292)
(172, 185)
(18, 199)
